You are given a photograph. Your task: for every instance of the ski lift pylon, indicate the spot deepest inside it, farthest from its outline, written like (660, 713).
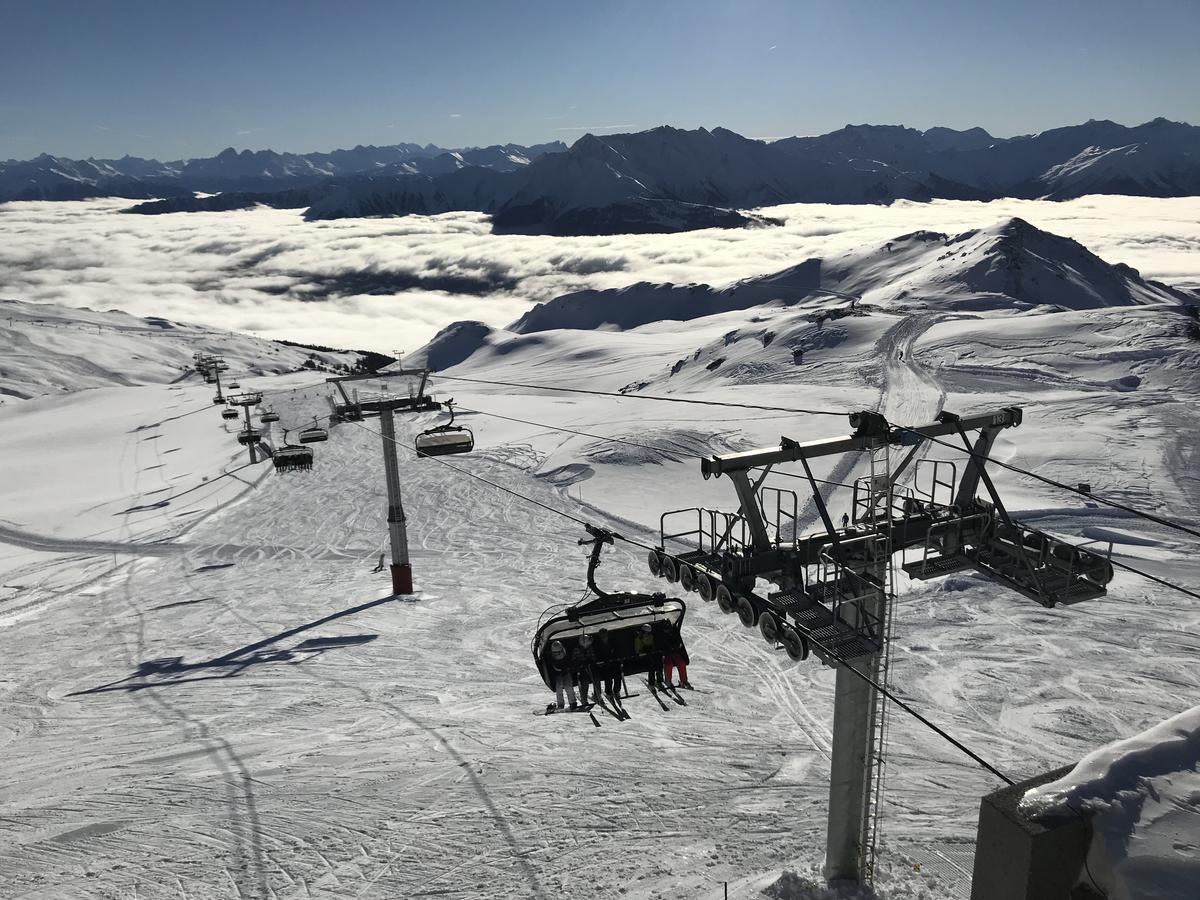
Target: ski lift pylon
(444, 440)
(619, 615)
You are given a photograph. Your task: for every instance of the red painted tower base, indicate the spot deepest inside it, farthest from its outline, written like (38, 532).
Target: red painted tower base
(402, 580)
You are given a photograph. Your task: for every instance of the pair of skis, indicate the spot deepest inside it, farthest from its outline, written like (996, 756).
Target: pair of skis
(668, 689)
(617, 711)
(552, 709)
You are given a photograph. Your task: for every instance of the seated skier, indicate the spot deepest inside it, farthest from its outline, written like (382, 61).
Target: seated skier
(560, 666)
(646, 647)
(675, 655)
(607, 669)
(583, 659)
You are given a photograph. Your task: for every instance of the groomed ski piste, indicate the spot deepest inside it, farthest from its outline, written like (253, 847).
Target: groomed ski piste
(212, 694)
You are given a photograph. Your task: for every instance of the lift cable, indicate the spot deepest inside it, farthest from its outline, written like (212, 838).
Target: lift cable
(565, 430)
(912, 712)
(566, 390)
(1120, 565)
(206, 483)
(630, 443)
(941, 732)
(469, 474)
(874, 684)
(1058, 484)
(625, 441)
(636, 543)
(1147, 575)
(329, 417)
(1050, 481)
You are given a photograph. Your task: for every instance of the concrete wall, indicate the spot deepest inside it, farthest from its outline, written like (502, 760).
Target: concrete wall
(1019, 859)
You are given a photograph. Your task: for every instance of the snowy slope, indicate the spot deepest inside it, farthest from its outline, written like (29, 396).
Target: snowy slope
(244, 712)
(417, 193)
(1147, 170)
(1010, 266)
(53, 349)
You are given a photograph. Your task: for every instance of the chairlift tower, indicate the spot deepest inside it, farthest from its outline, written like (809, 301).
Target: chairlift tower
(214, 366)
(835, 587)
(249, 435)
(401, 565)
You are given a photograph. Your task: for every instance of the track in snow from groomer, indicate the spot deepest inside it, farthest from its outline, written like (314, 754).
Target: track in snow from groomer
(388, 751)
(278, 727)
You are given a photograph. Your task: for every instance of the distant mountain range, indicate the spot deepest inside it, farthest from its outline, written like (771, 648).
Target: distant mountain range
(661, 180)
(56, 178)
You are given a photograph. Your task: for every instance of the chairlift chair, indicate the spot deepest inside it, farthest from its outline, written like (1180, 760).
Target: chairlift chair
(229, 413)
(249, 436)
(444, 440)
(293, 458)
(619, 614)
(313, 434)
(218, 399)
(234, 386)
(268, 417)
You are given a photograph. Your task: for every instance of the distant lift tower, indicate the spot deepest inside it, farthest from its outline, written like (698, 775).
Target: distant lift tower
(834, 588)
(384, 406)
(249, 437)
(213, 367)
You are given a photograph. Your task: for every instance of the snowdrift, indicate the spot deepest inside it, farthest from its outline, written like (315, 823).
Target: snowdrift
(1142, 798)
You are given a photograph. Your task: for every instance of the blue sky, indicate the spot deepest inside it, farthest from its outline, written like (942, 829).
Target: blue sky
(173, 79)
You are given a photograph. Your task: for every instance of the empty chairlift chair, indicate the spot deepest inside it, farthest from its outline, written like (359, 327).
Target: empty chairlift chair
(249, 436)
(229, 413)
(445, 439)
(313, 434)
(293, 458)
(268, 417)
(234, 386)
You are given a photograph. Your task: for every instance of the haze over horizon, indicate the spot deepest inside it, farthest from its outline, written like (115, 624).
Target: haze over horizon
(176, 82)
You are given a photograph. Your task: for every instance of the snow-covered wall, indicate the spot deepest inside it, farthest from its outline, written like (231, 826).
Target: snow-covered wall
(1142, 798)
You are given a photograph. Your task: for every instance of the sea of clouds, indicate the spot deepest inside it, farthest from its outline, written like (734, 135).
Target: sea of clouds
(387, 284)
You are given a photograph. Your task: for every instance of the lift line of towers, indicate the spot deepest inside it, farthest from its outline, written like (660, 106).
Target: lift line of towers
(831, 591)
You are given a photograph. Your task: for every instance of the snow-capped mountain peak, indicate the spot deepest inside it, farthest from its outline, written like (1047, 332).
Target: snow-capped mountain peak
(1011, 266)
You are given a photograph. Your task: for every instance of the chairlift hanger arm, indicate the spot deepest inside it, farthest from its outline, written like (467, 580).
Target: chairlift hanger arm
(599, 537)
(376, 376)
(872, 430)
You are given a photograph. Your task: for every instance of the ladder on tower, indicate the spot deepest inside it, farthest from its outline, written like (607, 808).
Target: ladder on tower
(876, 512)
